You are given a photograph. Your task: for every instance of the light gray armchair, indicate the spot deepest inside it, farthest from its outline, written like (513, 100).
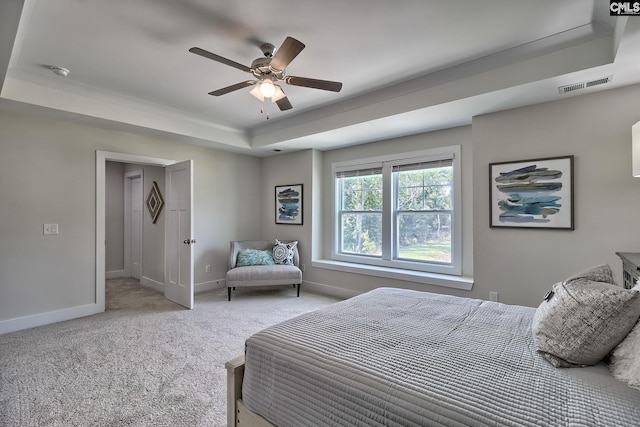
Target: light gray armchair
(261, 275)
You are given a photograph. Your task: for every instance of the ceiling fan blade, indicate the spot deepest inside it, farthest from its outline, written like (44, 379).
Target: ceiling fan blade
(284, 104)
(231, 88)
(289, 49)
(314, 83)
(220, 59)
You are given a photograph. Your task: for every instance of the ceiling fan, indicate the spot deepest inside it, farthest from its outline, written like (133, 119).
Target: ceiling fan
(268, 71)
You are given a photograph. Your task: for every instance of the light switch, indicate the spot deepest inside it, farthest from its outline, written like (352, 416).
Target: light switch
(50, 229)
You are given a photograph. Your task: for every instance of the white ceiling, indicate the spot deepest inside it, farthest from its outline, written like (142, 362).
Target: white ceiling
(407, 66)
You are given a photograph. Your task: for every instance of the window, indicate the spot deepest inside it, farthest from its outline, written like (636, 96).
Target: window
(400, 211)
(360, 211)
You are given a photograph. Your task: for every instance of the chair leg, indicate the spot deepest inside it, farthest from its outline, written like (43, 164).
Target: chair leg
(229, 293)
(298, 289)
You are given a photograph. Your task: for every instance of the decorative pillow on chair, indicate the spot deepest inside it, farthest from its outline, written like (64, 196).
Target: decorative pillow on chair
(581, 321)
(283, 252)
(248, 257)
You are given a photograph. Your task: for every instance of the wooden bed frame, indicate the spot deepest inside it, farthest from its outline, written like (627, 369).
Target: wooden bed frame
(237, 413)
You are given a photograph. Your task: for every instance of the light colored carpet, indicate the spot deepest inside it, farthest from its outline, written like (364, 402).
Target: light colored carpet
(144, 362)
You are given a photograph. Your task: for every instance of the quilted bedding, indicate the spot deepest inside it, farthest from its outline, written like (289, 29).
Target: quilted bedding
(394, 357)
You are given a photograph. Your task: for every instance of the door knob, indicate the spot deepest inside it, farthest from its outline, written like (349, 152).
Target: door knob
(189, 241)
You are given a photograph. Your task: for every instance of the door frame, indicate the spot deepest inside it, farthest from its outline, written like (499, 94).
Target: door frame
(101, 165)
(128, 180)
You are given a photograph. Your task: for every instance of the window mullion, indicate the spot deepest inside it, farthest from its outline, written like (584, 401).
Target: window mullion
(387, 212)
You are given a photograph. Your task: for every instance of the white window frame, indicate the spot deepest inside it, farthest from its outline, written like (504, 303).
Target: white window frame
(387, 162)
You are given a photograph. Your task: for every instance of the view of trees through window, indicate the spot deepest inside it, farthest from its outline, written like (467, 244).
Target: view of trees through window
(422, 212)
(362, 214)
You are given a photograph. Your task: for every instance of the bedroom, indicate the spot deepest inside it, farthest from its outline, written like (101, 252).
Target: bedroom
(595, 128)
(48, 176)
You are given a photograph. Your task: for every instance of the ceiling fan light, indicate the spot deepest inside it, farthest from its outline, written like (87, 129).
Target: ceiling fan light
(278, 95)
(267, 88)
(256, 92)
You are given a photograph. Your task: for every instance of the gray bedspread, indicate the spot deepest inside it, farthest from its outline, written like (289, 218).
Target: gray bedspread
(394, 357)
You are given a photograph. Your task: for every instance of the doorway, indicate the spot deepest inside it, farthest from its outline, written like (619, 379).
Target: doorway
(101, 158)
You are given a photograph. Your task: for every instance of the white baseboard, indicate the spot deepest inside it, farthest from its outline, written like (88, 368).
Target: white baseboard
(198, 287)
(332, 291)
(153, 284)
(41, 319)
(26, 322)
(207, 286)
(114, 274)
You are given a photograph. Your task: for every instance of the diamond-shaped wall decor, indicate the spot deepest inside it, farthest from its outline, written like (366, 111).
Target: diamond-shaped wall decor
(154, 202)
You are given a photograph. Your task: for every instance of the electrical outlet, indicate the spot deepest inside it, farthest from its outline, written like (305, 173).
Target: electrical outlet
(493, 296)
(50, 229)
(302, 267)
(207, 268)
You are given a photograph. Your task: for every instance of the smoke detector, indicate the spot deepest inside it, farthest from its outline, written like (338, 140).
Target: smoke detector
(63, 72)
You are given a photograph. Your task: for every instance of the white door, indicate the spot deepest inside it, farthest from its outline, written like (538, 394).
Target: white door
(179, 238)
(133, 218)
(135, 239)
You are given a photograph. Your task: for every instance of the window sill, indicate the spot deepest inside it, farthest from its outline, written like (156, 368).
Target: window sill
(445, 280)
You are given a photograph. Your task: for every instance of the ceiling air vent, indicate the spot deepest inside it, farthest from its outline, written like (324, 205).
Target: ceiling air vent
(583, 85)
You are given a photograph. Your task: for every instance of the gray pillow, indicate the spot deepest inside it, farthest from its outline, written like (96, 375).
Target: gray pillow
(581, 321)
(599, 273)
(625, 363)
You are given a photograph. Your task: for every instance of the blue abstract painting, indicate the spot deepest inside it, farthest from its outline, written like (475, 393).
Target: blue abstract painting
(289, 204)
(532, 194)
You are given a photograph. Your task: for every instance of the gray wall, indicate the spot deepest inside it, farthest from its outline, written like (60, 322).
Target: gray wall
(294, 168)
(47, 175)
(521, 265)
(114, 217)
(313, 170)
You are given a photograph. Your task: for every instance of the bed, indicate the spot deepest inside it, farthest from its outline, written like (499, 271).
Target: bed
(396, 357)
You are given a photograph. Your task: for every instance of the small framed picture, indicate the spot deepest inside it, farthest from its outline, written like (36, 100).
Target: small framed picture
(534, 193)
(289, 204)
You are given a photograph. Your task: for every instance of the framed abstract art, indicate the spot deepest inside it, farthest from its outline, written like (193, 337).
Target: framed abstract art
(535, 193)
(288, 204)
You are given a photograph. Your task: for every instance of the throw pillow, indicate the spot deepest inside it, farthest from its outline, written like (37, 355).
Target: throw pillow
(625, 363)
(599, 273)
(580, 322)
(283, 252)
(248, 257)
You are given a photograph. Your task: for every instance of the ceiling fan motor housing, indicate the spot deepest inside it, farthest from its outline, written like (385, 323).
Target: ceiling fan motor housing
(261, 67)
(261, 64)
